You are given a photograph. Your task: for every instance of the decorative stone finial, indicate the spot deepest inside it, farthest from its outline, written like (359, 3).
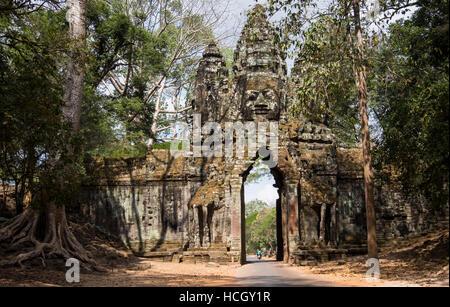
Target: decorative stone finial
(212, 51)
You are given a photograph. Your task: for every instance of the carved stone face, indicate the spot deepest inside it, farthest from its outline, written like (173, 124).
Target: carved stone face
(262, 91)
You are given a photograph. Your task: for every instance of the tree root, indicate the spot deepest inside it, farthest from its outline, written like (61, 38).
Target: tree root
(58, 239)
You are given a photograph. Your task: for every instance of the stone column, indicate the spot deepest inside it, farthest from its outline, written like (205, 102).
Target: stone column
(185, 212)
(279, 229)
(323, 212)
(206, 238)
(333, 226)
(284, 223)
(196, 230)
(236, 216)
(293, 234)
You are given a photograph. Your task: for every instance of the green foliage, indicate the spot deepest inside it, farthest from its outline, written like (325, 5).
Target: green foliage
(319, 35)
(254, 206)
(250, 219)
(261, 229)
(34, 139)
(134, 48)
(121, 123)
(124, 38)
(114, 35)
(163, 146)
(258, 172)
(325, 87)
(228, 55)
(407, 80)
(166, 146)
(411, 90)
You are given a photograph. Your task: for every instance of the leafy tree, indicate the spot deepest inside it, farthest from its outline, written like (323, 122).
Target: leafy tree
(154, 74)
(254, 206)
(142, 59)
(258, 172)
(411, 95)
(48, 115)
(93, 83)
(261, 230)
(30, 94)
(324, 80)
(407, 77)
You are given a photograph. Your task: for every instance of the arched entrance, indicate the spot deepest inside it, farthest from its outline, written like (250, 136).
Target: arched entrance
(275, 173)
(287, 208)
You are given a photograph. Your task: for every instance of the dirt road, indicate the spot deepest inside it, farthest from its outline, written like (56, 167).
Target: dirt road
(270, 273)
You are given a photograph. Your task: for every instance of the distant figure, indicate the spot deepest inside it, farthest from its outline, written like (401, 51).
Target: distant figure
(258, 254)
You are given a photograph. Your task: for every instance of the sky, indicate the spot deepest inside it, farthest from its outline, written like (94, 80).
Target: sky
(263, 190)
(235, 19)
(237, 11)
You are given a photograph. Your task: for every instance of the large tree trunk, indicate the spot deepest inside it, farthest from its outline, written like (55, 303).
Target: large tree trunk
(20, 195)
(47, 229)
(360, 79)
(154, 128)
(73, 92)
(49, 233)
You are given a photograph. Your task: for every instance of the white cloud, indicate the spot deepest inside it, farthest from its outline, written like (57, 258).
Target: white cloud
(263, 190)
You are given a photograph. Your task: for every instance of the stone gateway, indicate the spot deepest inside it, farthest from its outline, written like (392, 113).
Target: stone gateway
(189, 209)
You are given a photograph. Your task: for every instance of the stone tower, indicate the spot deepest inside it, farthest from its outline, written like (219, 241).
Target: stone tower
(259, 71)
(211, 86)
(258, 80)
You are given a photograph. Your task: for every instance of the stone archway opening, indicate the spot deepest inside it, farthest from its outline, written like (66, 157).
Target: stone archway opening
(267, 188)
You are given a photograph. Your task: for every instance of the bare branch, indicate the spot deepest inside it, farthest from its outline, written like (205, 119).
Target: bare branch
(164, 128)
(176, 112)
(116, 83)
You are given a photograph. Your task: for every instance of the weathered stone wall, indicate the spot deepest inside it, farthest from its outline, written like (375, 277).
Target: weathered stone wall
(400, 216)
(146, 218)
(146, 212)
(162, 204)
(397, 214)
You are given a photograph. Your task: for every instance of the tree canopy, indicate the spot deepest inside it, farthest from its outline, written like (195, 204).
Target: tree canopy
(410, 94)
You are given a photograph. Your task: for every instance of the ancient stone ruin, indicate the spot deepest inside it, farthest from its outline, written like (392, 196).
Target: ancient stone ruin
(187, 208)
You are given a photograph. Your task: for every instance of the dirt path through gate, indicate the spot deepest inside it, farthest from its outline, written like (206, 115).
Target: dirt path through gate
(271, 273)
